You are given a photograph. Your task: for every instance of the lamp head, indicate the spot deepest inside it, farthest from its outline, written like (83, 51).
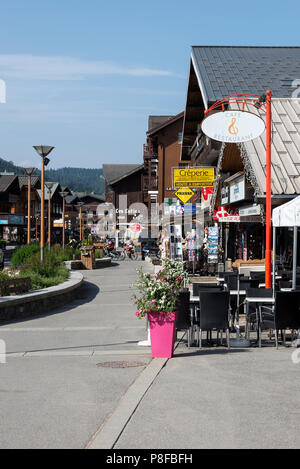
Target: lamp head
(261, 100)
(49, 185)
(29, 171)
(43, 150)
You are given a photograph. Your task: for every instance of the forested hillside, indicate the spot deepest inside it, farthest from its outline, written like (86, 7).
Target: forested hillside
(77, 179)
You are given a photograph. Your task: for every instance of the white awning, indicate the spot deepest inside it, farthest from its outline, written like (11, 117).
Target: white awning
(287, 214)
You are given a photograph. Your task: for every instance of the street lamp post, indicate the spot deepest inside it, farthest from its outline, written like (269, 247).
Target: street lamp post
(36, 227)
(268, 275)
(87, 224)
(49, 186)
(43, 151)
(29, 172)
(63, 195)
(80, 204)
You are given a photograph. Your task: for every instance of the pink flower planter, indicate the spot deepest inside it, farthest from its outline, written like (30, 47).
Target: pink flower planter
(162, 334)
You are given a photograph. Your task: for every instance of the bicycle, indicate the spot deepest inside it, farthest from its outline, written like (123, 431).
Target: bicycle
(114, 254)
(128, 254)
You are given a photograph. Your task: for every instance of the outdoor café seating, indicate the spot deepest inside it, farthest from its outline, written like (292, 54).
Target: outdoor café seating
(258, 318)
(214, 314)
(224, 274)
(183, 320)
(197, 287)
(265, 310)
(198, 290)
(286, 314)
(260, 276)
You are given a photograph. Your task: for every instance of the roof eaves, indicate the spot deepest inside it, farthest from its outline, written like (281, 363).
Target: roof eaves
(135, 170)
(199, 79)
(165, 124)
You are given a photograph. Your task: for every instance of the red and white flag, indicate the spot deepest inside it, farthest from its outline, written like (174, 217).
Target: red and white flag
(205, 191)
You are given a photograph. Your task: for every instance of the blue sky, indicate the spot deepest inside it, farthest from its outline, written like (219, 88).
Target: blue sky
(84, 76)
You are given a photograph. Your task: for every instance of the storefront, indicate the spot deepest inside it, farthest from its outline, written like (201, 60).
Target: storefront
(241, 221)
(12, 227)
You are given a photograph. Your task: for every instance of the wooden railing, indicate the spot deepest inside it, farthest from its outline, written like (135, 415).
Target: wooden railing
(15, 286)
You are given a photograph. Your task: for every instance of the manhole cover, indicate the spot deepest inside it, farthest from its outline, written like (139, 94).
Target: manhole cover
(119, 364)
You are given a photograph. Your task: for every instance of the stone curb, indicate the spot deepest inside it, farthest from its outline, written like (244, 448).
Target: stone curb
(113, 426)
(77, 265)
(40, 301)
(73, 282)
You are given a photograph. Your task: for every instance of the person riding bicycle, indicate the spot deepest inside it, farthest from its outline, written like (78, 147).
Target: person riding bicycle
(73, 242)
(110, 245)
(129, 247)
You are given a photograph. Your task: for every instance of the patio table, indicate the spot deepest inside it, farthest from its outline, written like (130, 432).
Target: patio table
(259, 299)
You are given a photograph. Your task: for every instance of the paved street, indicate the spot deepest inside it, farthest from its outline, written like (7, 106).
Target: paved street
(244, 398)
(52, 393)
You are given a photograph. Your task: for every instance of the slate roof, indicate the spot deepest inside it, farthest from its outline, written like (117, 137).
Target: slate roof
(71, 199)
(285, 151)
(225, 70)
(114, 172)
(23, 181)
(165, 123)
(52, 191)
(154, 121)
(6, 181)
(82, 195)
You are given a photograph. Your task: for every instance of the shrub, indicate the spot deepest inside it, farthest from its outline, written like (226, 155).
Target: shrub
(97, 253)
(39, 280)
(61, 254)
(160, 293)
(43, 274)
(23, 253)
(5, 276)
(56, 253)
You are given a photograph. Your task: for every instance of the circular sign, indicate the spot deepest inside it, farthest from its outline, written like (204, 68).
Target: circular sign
(135, 228)
(233, 126)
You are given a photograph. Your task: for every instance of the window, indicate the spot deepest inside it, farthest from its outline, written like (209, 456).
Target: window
(287, 82)
(180, 135)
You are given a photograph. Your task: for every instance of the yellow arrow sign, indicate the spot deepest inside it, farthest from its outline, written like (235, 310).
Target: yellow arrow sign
(184, 194)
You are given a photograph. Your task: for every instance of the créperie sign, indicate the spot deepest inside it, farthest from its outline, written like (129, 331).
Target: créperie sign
(193, 177)
(233, 126)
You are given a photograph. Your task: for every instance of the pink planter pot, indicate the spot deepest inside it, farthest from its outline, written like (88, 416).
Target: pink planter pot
(162, 334)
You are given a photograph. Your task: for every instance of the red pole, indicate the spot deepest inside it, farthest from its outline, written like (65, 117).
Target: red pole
(268, 269)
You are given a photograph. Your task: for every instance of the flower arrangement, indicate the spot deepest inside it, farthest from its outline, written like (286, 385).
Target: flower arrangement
(159, 293)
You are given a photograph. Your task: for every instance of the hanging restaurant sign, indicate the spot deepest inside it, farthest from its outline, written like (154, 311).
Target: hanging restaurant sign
(193, 177)
(233, 126)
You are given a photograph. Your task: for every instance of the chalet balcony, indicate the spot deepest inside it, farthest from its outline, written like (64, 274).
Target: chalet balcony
(150, 184)
(149, 154)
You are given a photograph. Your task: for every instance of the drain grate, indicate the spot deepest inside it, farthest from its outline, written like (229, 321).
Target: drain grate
(119, 364)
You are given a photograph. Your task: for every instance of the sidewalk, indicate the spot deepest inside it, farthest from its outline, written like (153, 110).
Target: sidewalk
(246, 398)
(54, 392)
